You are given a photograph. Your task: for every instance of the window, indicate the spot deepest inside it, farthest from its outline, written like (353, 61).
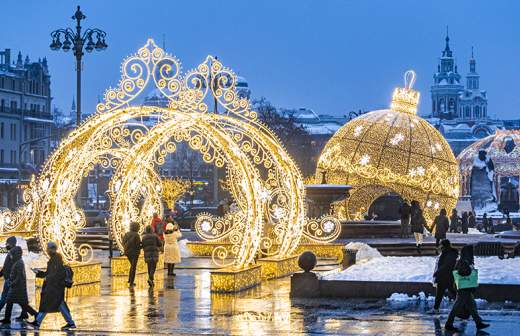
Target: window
(13, 157)
(13, 131)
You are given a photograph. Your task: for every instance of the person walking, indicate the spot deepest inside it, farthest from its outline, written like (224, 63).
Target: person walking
(172, 253)
(454, 221)
(132, 250)
(464, 222)
(441, 224)
(417, 223)
(5, 272)
(466, 279)
(152, 246)
(52, 298)
(443, 274)
(17, 292)
(404, 213)
(472, 222)
(157, 225)
(484, 222)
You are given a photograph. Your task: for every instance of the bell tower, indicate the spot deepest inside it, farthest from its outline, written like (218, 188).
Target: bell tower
(446, 86)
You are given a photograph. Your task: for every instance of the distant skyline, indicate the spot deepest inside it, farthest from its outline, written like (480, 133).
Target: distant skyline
(332, 56)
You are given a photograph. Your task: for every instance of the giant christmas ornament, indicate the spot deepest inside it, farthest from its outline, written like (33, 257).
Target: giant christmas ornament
(392, 150)
(500, 179)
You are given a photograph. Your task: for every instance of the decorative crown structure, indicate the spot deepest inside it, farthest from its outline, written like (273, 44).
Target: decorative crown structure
(406, 99)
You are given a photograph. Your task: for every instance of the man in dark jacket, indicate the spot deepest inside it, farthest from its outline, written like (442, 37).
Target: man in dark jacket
(52, 299)
(152, 246)
(441, 224)
(404, 212)
(132, 246)
(6, 270)
(17, 286)
(443, 275)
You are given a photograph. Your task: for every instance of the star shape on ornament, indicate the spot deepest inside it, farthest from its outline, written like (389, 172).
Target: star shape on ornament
(420, 171)
(365, 159)
(397, 139)
(357, 130)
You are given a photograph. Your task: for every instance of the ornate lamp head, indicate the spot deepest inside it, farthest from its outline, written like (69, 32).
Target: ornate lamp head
(406, 99)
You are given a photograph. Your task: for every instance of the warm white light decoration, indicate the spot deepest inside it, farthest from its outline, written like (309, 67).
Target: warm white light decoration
(261, 175)
(392, 150)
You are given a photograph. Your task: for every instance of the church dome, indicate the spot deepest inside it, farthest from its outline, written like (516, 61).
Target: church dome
(392, 150)
(502, 147)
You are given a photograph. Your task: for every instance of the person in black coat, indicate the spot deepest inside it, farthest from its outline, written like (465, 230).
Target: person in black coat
(17, 286)
(441, 224)
(52, 299)
(417, 223)
(465, 305)
(152, 246)
(132, 249)
(404, 213)
(472, 222)
(6, 270)
(464, 222)
(454, 221)
(443, 275)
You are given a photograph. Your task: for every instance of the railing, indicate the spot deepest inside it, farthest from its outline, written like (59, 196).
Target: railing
(26, 113)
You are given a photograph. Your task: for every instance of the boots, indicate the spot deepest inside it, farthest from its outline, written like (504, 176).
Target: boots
(419, 248)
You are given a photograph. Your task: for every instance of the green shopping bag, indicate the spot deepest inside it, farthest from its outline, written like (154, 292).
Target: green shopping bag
(469, 281)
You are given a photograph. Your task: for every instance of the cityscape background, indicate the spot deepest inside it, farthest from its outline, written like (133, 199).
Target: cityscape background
(324, 55)
(315, 65)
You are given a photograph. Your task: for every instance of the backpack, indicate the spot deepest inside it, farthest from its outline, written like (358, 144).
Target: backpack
(69, 276)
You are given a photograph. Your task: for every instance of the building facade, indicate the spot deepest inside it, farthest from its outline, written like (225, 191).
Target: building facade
(25, 122)
(459, 111)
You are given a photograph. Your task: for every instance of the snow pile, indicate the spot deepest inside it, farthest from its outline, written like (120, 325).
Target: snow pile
(364, 252)
(401, 297)
(474, 231)
(185, 250)
(420, 269)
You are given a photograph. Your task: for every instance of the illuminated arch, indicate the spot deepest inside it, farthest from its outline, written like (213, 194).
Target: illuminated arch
(263, 178)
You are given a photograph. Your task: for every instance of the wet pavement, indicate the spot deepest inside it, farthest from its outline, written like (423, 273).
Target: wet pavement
(184, 305)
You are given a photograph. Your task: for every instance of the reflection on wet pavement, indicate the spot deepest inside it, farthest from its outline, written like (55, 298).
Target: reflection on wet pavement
(184, 305)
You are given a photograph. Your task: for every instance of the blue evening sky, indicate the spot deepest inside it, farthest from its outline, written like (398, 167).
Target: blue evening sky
(331, 55)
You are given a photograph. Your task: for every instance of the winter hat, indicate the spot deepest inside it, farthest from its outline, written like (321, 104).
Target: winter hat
(11, 241)
(169, 227)
(52, 245)
(445, 244)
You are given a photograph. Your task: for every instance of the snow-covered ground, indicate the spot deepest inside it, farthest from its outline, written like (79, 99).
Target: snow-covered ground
(371, 267)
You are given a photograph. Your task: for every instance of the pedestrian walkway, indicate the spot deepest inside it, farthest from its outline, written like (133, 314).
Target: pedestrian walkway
(184, 305)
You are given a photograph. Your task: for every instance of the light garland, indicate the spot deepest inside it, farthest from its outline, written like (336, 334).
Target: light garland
(172, 189)
(262, 178)
(392, 151)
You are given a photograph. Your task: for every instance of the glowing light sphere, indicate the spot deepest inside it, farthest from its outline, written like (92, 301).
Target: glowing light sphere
(392, 150)
(503, 148)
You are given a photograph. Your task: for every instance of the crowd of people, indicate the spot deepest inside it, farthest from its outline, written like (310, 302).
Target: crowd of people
(57, 276)
(159, 237)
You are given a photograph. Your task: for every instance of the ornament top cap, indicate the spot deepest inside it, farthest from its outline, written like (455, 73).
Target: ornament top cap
(406, 99)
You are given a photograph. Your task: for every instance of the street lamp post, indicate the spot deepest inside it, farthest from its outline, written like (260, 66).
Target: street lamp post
(78, 41)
